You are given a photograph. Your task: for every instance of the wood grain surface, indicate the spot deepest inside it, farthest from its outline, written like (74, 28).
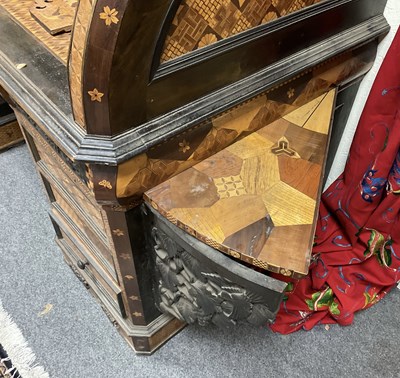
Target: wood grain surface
(174, 155)
(257, 199)
(56, 16)
(19, 11)
(76, 58)
(199, 23)
(10, 134)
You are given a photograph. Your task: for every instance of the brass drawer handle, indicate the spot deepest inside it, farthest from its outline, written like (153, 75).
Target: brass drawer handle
(82, 265)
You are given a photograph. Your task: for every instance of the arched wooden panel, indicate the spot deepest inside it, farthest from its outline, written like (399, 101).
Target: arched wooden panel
(118, 82)
(199, 23)
(83, 18)
(187, 78)
(120, 45)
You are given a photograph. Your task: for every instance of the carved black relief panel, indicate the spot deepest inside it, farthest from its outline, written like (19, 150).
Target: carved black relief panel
(198, 284)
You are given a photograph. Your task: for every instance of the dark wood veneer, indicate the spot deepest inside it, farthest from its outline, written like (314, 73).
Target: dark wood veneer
(140, 122)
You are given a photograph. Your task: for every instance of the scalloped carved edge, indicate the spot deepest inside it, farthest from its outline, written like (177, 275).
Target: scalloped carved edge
(191, 292)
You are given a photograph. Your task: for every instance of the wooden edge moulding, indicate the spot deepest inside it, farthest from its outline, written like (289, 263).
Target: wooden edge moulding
(171, 120)
(117, 148)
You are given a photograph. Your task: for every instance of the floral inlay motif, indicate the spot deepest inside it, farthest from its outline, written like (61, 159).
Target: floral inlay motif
(235, 254)
(286, 272)
(118, 232)
(290, 93)
(95, 95)
(109, 16)
(184, 146)
(105, 184)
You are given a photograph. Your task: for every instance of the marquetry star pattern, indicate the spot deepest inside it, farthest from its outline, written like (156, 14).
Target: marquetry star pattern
(291, 93)
(95, 95)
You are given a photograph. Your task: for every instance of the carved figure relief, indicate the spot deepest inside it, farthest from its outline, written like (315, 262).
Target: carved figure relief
(193, 293)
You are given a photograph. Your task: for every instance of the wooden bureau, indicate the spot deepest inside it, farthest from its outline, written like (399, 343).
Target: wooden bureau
(180, 141)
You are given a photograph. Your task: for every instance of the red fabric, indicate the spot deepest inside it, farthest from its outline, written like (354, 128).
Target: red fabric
(357, 251)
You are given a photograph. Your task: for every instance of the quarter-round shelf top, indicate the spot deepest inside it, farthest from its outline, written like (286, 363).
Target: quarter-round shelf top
(257, 200)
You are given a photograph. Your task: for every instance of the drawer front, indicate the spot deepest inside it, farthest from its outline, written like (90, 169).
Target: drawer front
(51, 161)
(92, 211)
(86, 231)
(77, 200)
(78, 191)
(65, 187)
(68, 219)
(105, 288)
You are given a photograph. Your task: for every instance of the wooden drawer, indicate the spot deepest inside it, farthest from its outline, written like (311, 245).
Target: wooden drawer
(87, 235)
(66, 188)
(58, 168)
(68, 219)
(72, 184)
(83, 263)
(90, 232)
(90, 210)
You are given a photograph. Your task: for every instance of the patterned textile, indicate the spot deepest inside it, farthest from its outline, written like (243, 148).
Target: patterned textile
(356, 256)
(7, 370)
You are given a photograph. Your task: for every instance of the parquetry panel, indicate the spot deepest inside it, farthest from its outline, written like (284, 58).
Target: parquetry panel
(81, 28)
(264, 113)
(199, 23)
(19, 10)
(276, 190)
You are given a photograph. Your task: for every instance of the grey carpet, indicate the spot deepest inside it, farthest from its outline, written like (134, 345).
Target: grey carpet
(76, 339)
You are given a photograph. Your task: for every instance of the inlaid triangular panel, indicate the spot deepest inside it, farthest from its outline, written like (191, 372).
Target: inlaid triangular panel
(257, 199)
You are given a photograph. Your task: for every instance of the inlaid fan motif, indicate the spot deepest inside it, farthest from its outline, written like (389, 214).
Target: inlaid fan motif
(199, 23)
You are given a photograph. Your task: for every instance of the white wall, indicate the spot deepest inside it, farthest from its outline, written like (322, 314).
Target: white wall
(392, 14)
